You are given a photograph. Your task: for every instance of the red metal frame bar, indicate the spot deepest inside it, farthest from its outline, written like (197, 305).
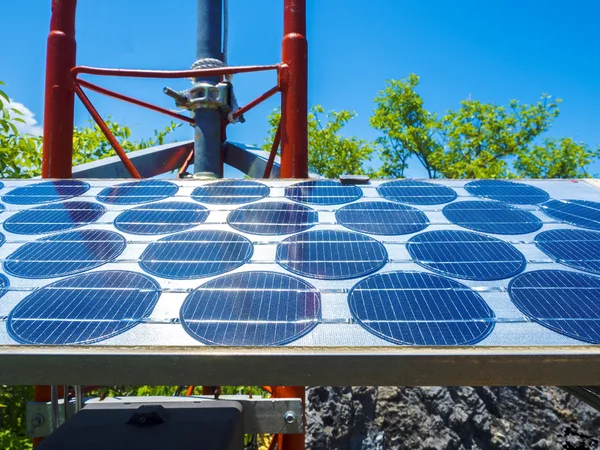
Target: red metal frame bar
(274, 147)
(244, 109)
(125, 98)
(134, 73)
(106, 131)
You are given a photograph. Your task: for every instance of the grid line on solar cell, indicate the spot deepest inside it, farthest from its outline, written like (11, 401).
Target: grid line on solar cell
(84, 309)
(323, 192)
(274, 218)
(161, 218)
(231, 192)
(579, 249)
(243, 309)
(65, 254)
(331, 254)
(45, 192)
(581, 213)
(565, 302)
(54, 217)
(416, 192)
(491, 217)
(417, 308)
(382, 218)
(507, 191)
(467, 255)
(134, 192)
(196, 254)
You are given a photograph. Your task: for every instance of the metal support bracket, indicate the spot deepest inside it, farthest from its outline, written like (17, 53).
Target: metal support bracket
(203, 95)
(260, 415)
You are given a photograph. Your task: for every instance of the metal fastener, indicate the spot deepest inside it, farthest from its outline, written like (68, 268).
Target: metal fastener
(37, 421)
(289, 417)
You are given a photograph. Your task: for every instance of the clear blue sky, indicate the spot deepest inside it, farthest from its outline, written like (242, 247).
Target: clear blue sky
(491, 51)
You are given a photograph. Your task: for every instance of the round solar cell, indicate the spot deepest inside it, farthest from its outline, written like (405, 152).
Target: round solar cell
(251, 308)
(464, 254)
(384, 218)
(581, 213)
(54, 217)
(492, 217)
(196, 254)
(416, 192)
(323, 192)
(565, 302)
(65, 254)
(417, 308)
(84, 309)
(574, 248)
(1, 184)
(133, 192)
(161, 218)
(507, 191)
(4, 283)
(272, 218)
(46, 192)
(331, 254)
(230, 192)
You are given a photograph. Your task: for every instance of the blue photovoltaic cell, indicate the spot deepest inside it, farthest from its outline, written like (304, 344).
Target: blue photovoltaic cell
(417, 308)
(385, 218)
(2, 239)
(145, 191)
(581, 213)
(331, 254)
(464, 254)
(251, 308)
(492, 217)
(196, 254)
(507, 191)
(4, 283)
(84, 309)
(1, 184)
(272, 218)
(574, 248)
(54, 217)
(230, 192)
(416, 192)
(65, 254)
(161, 218)
(565, 302)
(323, 192)
(46, 192)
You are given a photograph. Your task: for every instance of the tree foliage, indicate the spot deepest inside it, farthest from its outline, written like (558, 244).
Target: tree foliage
(330, 153)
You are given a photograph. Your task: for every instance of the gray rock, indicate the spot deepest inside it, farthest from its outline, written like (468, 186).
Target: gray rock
(385, 418)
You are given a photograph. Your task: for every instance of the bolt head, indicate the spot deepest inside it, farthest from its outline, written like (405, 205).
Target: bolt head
(289, 417)
(37, 421)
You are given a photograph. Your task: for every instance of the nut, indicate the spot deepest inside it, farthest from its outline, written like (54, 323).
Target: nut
(289, 417)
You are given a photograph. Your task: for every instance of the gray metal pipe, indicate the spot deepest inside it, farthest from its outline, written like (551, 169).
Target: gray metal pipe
(207, 121)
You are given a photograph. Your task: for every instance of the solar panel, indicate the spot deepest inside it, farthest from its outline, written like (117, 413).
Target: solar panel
(196, 254)
(417, 308)
(416, 192)
(4, 284)
(275, 218)
(2, 239)
(579, 249)
(84, 309)
(323, 192)
(161, 218)
(230, 192)
(46, 192)
(1, 184)
(565, 302)
(492, 217)
(331, 254)
(507, 191)
(467, 255)
(54, 217)
(382, 218)
(133, 192)
(581, 213)
(251, 308)
(65, 254)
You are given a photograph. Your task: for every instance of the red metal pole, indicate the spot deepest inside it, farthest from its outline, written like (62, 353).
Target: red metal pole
(291, 441)
(57, 158)
(294, 101)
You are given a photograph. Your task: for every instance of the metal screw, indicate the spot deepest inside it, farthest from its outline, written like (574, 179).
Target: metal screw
(37, 421)
(289, 417)
(142, 420)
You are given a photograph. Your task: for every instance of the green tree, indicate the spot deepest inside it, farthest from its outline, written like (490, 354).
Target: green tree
(557, 158)
(330, 153)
